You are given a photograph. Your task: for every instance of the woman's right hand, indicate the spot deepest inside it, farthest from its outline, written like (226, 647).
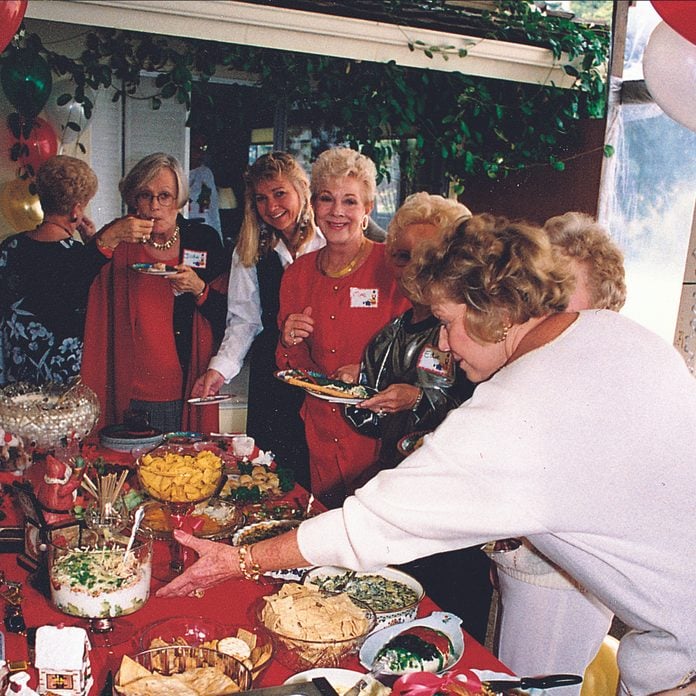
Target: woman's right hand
(126, 229)
(208, 384)
(297, 327)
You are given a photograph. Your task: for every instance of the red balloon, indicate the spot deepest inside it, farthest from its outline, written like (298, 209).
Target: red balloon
(680, 15)
(42, 144)
(11, 15)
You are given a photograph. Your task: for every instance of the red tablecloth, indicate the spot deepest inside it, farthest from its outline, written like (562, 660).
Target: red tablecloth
(230, 603)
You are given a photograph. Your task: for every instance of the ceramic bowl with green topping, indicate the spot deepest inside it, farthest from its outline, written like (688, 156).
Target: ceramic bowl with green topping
(393, 595)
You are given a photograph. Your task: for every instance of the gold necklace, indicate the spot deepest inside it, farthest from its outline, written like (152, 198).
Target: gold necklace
(165, 245)
(348, 268)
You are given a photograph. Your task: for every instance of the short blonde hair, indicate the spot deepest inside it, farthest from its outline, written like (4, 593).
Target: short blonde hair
(145, 171)
(255, 239)
(505, 273)
(62, 181)
(580, 237)
(426, 209)
(340, 162)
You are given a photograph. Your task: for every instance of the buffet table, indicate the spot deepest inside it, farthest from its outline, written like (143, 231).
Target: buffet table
(231, 603)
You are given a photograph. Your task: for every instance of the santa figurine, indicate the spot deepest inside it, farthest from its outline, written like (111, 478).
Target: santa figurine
(58, 490)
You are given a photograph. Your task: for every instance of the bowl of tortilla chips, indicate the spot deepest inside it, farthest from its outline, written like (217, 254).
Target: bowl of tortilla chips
(179, 670)
(311, 628)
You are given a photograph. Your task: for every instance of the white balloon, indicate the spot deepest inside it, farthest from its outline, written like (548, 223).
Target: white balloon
(59, 115)
(669, 67)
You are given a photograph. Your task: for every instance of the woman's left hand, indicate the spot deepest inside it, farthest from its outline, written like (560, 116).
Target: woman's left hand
(348, 373)
(395, 398)
(187, 280)
(216, 562)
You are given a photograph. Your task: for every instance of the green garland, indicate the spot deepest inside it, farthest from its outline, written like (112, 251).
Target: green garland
(471, 127)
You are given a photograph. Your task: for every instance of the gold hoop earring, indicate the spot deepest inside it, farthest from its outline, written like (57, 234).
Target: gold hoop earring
(364, 222)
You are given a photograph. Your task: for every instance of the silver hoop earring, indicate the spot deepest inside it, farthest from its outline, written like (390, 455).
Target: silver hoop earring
(364, 222)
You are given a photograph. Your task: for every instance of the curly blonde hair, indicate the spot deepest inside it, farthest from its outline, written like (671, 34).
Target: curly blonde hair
(504, 272)
(340, 162)
(255, 237)
(146, 170)
(426, 209)
(581, 238)
(62, 181)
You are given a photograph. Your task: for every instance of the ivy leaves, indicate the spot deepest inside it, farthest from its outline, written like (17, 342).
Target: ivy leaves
(472, 127)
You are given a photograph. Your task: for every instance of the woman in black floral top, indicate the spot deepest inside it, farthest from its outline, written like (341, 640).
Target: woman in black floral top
(45, 275)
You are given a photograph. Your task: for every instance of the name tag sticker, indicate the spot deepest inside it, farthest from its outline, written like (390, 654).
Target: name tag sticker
(195, 258)
(435, 361)
(364, 297)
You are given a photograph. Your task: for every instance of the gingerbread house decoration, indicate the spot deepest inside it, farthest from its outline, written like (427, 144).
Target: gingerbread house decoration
(62, 658)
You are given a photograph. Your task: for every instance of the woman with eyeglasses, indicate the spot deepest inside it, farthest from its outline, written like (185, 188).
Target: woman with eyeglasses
(157, 311)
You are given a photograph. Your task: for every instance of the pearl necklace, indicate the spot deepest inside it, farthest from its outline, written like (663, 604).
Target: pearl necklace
(168, 244)
(348, 268)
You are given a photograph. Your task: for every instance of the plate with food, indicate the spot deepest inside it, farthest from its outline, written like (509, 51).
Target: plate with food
(156, 269)
(432, 644)
(341, 680)
(214, 519)
(326, 388)
(253, 533)
(256, 482)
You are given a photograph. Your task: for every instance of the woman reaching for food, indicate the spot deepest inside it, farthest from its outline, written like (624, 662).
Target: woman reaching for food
(597, 482)
(157, 331)
(278, 227)
(332, 302)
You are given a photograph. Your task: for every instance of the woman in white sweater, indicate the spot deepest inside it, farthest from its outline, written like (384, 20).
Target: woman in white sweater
(580, 438)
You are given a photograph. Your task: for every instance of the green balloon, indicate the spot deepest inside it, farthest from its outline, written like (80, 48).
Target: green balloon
(26, 80)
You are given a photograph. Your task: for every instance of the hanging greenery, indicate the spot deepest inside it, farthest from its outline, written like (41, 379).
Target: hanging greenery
(471, 126)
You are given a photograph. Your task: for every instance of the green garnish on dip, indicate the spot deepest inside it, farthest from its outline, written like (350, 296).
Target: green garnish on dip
(380, 593)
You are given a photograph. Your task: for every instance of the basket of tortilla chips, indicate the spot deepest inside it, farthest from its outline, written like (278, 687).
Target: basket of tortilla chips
(311, 628)
(179, 670)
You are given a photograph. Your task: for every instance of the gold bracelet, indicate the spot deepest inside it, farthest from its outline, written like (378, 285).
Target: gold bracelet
(252, 571)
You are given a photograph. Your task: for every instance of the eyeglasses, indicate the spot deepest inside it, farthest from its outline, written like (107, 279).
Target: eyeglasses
(165, 199)
(401, 258)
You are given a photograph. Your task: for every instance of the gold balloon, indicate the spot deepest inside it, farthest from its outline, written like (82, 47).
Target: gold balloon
(19, 206)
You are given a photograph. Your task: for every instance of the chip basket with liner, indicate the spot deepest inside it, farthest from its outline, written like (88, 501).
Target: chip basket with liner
(301, 653)
(178, 660)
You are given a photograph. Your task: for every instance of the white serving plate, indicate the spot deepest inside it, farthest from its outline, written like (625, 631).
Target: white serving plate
(384, 618)
(340, 679)
(450, 624)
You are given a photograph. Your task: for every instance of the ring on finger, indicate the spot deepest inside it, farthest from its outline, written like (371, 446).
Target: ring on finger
(198, 593)
(292, 333)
